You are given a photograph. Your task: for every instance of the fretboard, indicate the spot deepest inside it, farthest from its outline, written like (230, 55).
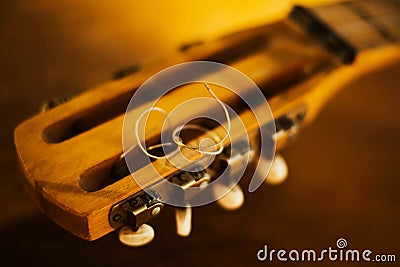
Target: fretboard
(346, 28)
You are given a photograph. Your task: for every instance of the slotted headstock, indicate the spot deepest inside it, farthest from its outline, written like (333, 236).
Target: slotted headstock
(75, 163)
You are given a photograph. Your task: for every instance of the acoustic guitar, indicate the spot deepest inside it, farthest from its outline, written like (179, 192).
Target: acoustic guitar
(91, 171)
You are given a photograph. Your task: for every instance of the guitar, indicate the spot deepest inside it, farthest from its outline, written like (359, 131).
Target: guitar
(77, 169)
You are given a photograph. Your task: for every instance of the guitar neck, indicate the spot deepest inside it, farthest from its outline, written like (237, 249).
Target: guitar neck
(347, 28)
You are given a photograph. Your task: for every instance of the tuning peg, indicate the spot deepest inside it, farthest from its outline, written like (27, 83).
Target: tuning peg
(183, 219)
(278, 172)
(233, 200)
(142, 236)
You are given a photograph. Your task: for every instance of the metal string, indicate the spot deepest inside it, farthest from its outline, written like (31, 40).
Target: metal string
(175, 134)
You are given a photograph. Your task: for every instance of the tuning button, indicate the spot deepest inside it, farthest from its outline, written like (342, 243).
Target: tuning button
(142, 236)
(183, 219)
(233, 200)
(278, 172)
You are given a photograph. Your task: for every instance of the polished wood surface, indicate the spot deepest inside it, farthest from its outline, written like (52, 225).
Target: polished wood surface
(343, 169)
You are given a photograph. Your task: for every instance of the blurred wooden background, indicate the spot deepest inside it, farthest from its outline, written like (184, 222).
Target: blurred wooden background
(343, 179)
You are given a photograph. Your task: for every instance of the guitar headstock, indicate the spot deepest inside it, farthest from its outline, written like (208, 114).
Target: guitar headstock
(78, 166)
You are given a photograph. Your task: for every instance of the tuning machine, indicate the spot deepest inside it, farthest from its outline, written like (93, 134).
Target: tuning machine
(198, 177)
(287, 127)
(132, 214)
(233, 196)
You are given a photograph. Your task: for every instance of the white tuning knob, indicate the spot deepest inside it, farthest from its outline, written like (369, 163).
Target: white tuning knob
(278, 172)
(141, 237)
(183, 219)
(233, 200)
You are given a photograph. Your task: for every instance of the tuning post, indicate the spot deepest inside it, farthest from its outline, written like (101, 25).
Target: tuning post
(197, 177)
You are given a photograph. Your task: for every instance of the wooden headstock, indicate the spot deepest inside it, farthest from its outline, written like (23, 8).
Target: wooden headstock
(72, 155)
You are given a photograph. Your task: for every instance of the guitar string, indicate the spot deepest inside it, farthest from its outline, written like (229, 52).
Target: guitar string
(175, 134)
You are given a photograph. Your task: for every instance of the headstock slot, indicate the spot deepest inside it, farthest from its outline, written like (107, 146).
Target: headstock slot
(86, 120)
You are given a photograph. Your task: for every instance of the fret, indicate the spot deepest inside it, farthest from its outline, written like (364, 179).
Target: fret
(355, 25)
(380, 16)
(348, 24)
